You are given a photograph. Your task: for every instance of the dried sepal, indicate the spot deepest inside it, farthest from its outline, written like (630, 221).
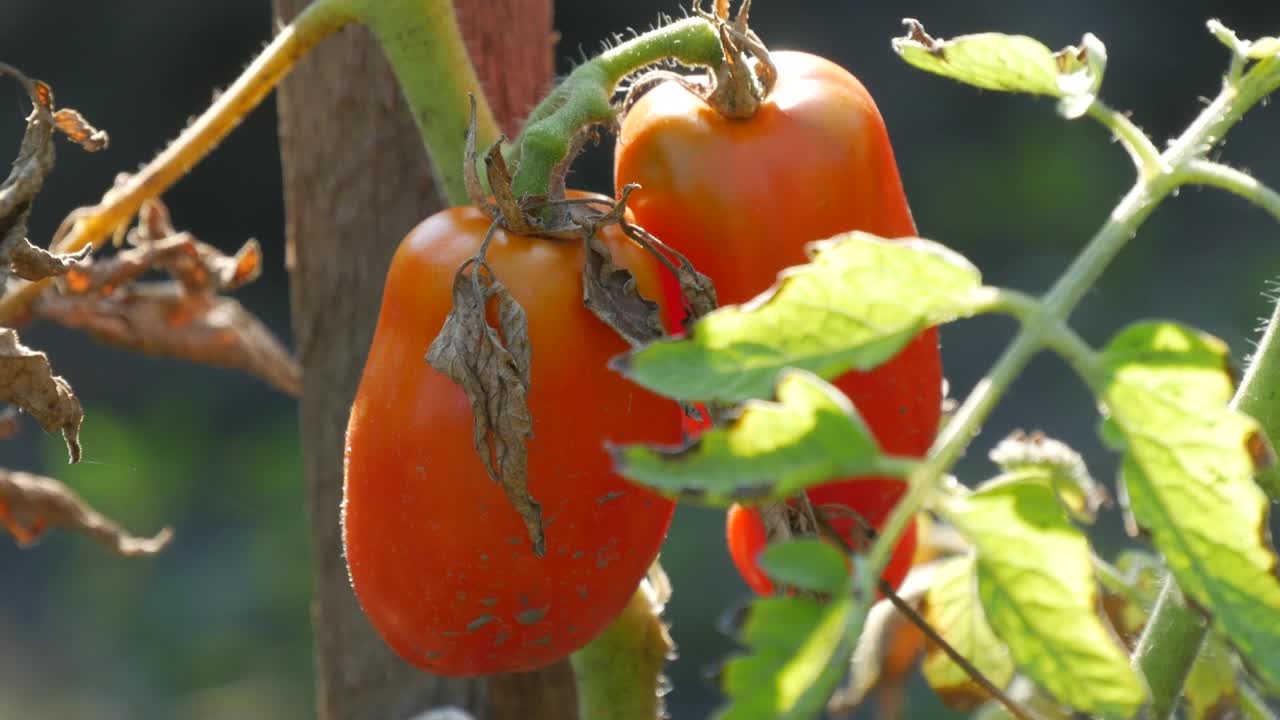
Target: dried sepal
(30, 505)
(163, 319)
(27, 381)
(470, 172)
(491, 365)
(610, 292)
(697, 291)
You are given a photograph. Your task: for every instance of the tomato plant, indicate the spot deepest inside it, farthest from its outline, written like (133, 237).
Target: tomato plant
(439, 559)
(871, 498)
(743, 197)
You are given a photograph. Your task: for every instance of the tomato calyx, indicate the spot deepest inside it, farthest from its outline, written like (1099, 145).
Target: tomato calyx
(740, 83)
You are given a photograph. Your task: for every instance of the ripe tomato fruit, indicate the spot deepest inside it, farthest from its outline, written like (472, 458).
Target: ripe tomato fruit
(440, 561)
(874, 501)
(742, 198)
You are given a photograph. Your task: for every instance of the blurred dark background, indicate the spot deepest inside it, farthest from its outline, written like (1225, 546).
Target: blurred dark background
(216, 627)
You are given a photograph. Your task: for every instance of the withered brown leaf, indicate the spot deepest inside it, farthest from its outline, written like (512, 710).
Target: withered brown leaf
(32, 263)
(610, 292)
(72, 124)
(27, 381)
(161, 318)
(18, 191)
(32, 504)
(491, 365)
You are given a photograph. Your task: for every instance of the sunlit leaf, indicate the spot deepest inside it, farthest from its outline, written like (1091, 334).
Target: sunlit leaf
(1035, 580)
(952, 607)
(807, 564)
(798, 650)
(1011, 63)
(772, 450)
(1188, 470)
(858, 302)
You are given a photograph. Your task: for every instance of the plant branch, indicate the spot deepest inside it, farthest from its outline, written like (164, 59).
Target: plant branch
(619, 672)
(826, 530)
(1225, 177)
(583, 98)
(1137, 204)
(1145, 154)
(92, 226)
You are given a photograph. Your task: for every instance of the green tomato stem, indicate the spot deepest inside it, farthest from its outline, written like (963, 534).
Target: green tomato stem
(1182, 638)
(422, 41)
(1145, 154)
(619, 673)
(584, 98)
(1167, 649)
(1225, 177)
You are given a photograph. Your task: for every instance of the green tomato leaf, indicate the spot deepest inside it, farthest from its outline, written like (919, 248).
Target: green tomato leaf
(1011, 63)
(1188, 471)
(807, 564)
(1054, 463)
(951, 606)
(772, 450)
(799, 651)
(855, 306)
(1036, 584)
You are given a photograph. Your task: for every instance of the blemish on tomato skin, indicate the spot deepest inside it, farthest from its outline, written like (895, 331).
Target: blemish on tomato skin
(462, 595)
(582, 591)
(531, 616)
(500, 638)
(450, 634)
(514, 540)
(431, 655)
(539, 642)
(480, 622)
(489, 601)
(578, 555)
(611, 495)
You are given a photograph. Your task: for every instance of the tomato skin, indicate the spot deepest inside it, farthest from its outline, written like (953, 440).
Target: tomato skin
(746, 536)
(439, 560)
(742, 198)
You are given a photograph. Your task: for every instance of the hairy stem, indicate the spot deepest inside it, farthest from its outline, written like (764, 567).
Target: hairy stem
(422, 41)
(1203, 133)
(1225, 177)
(583, 99)
(619, 672)
(121, 203)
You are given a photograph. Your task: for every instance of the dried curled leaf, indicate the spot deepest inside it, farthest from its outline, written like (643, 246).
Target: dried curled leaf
(198, 267)
(72, 124)
(18, 191)
(33, 504)
(185, 318)
(32, 263)
(610, 292)
(27, 380)
(491, 365)
(162, 319)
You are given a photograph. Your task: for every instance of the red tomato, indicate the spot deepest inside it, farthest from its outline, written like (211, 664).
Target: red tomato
(746, 535)
(742, 198)
(439, 560)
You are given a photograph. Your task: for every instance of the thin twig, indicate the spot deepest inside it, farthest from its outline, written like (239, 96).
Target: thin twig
(827, 531)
